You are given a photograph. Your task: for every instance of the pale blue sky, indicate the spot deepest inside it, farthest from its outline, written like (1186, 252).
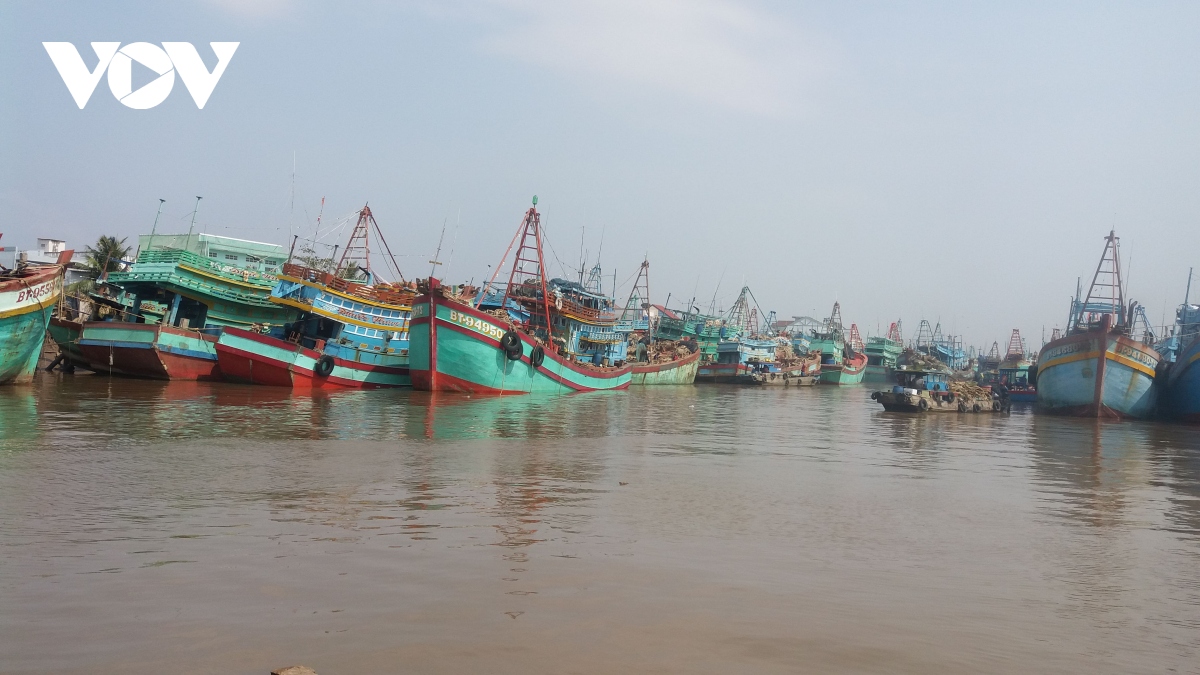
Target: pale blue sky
(950, 160)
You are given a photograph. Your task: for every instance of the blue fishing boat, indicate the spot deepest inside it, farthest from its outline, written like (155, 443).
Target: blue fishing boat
(1181, 394)
(350, 330)
(743, 360)
(1099, 369)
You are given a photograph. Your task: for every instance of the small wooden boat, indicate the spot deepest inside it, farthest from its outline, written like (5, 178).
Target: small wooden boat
(160, 318)
(538, 336)
(1098, 369)
(1013, 372)
(28, 295)
(349, 334)
(840, 362)
(672, 361)
(921, 391)
(678, 371)
(744, 360)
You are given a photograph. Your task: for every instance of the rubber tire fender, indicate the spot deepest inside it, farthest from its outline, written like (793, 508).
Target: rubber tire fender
(996, 406)
(874, 396)
(510, 342)
(923, 404)
(962, 406)
(976, 408)
(324, 366)
(537, 356)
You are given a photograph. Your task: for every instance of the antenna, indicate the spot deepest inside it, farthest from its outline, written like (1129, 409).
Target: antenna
(436, 255)
(193, 224)
(154, 227)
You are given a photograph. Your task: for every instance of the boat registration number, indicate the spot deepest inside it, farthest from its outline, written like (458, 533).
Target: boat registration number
(1136, 355)
(479, 325)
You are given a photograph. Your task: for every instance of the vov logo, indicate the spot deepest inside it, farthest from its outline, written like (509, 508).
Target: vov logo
(171, 58)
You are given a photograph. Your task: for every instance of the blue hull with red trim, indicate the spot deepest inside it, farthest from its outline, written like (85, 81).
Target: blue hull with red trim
(254, 358)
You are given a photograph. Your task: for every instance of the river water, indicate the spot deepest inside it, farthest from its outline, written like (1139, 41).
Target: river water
(149, 527)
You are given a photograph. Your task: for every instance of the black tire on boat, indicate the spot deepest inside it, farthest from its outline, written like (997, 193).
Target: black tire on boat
(324, 366)
(962, 406)
(923, 405)
(537, 356)
(874, 396)
(996, 406)
(510, 342)
(976, 408)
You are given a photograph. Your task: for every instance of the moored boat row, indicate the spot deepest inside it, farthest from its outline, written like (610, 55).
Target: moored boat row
(206, 308)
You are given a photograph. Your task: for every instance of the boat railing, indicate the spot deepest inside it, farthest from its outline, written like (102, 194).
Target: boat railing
(601, 336)
(175, 256)
(257, 297)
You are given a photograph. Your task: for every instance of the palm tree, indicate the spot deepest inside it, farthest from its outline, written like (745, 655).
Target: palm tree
(106, 255)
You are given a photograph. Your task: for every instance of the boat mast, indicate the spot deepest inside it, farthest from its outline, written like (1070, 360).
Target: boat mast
(528, 265)
(640, 290)
(1106, 286)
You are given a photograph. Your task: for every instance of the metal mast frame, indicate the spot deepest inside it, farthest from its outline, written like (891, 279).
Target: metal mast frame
(530, 228)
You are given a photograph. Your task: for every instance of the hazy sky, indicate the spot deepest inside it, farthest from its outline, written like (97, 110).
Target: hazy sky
(953, 161)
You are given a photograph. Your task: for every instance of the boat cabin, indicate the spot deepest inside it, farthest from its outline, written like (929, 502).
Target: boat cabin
(922, 380)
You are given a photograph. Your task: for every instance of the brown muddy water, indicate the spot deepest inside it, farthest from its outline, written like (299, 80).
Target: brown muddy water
(189, 528)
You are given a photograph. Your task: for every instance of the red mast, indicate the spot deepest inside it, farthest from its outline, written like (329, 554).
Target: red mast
(528, 275)
(1016, 346)
(855, 341)
(894, 332)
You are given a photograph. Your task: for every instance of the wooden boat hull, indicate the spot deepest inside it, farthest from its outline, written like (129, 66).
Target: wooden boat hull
(680, 371)
(151, 351)
(849, 371)
(253, 358)
(905, 403)
(726, 373)
(1181, 398)
(453, 347)
(1097, 375)
(26, 305)
(65, 334)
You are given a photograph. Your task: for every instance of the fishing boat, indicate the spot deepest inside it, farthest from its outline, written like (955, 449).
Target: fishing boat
(744, 354)
(661, 362)
(28, 295)
(921, 391)
(160, 317)
(533, 335)
(1013, 372)
(349, 333)
(841, 363)
(1181, 390)
(744, 360)
(881, 353)
(1098, 369)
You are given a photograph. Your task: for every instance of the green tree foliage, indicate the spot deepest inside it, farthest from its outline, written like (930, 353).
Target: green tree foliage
(106, 255)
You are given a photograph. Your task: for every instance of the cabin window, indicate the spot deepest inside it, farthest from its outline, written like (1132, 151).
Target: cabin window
(229, 256)
(212, 254)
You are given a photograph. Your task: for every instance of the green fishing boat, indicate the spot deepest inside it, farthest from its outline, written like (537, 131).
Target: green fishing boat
(882, 353)
(161, 317)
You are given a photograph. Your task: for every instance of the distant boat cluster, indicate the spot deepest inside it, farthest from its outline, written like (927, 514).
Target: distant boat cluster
(203, 307)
